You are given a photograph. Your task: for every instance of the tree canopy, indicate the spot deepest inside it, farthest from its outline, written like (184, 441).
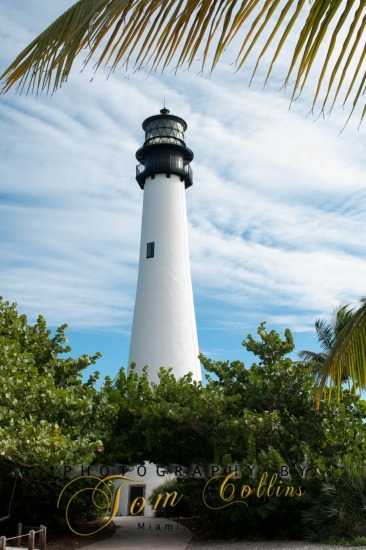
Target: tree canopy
(265, 413)
(49, 416)
(262, 415)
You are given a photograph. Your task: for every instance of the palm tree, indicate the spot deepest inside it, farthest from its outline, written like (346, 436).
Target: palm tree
(343, 345)
(176, 32)
(348, 354)
(327, 334)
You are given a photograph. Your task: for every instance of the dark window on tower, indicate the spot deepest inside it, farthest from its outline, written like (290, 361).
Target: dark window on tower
(150, 249)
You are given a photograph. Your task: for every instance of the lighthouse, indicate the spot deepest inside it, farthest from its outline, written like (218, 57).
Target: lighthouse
(164, 329)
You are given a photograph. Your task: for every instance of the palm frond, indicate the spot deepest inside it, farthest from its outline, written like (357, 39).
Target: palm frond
(162, 32)
(348, 355)
(341, 316)
(325, 335)
(307, 356)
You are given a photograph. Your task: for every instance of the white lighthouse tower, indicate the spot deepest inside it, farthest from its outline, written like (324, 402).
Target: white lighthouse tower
(164, 329)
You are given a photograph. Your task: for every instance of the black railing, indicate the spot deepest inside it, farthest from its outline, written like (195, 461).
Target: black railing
(164, 163)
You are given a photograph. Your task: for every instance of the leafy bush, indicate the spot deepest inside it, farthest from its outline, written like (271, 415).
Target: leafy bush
(340, 508)
(85, 500)
(49, 416)
(263, 415)
(182, 508)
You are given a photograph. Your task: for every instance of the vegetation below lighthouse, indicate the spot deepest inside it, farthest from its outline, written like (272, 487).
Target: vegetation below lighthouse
(263, 415)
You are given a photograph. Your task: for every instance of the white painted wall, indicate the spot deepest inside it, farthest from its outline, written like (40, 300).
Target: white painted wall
(147, 475)
(164, 329)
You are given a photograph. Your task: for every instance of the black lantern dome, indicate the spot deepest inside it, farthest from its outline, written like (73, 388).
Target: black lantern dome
(164, 150)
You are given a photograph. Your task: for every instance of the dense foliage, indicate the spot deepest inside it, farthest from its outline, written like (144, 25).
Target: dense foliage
(264, 415)
(48, 415)
(339, 509)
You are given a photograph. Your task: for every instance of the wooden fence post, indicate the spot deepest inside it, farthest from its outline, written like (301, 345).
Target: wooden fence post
(2, 543)
(19, 534)
(31, 540)
(42, 537)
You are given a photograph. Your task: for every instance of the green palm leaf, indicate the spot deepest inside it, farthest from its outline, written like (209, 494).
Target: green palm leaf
(163, 32)
(347, 355)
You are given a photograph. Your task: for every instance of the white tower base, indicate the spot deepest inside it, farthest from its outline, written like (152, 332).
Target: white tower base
(147, 477)
(164, 326)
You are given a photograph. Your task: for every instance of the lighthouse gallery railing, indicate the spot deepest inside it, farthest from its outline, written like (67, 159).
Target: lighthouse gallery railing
(163, 164)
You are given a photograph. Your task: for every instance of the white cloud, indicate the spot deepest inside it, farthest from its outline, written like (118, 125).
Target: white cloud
(276, 212)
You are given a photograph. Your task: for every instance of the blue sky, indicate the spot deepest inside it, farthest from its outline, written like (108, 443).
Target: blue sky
(276, 213)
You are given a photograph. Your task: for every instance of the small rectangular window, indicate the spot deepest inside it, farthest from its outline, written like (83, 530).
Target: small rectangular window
(150, 249)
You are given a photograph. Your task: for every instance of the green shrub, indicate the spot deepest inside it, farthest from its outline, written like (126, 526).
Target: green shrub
(182, 508)
(340, 508)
